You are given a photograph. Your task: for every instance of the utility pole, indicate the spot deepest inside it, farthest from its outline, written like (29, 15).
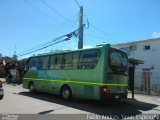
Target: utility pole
(80, 42)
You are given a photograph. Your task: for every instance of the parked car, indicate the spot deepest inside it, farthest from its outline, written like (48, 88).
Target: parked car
(1, 91)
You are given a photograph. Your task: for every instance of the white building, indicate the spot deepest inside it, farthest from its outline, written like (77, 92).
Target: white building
(147, 75)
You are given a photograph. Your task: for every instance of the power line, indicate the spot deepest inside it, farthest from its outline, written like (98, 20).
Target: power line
(71, 27)
(111, 36)
(77, 3)
(48, 16)
(41, 45)
(40, 11)
(94, 36)
(53, 9)
(40, 48)
(53, 42)
(115, 38)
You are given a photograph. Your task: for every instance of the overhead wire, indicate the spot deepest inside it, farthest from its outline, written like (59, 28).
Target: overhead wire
(48, 16)
(40, 48)
(40, 11)
(50, 43)
(71, 27)
(95, 36)
(104, 33)
(54, 41)
(53, 9)
(77, 3)
(39, 45)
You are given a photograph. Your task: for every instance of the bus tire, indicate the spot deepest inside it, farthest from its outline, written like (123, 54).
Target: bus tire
(66, 93)
(32, 88)
(1, 97)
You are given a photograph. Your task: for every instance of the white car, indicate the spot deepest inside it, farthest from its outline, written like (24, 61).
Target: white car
(1, 91)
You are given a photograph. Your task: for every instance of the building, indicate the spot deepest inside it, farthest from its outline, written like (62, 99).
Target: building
(5, 62)
(7, 59)
(14, 58)
(147, 75)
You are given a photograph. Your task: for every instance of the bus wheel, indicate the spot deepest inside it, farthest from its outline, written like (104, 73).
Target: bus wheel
(1, 97)
(66, 93)
(32, 88)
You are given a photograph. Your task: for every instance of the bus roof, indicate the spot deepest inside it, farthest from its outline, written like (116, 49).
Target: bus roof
(67, 51)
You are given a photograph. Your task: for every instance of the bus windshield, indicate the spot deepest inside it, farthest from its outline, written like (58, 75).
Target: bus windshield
(118, 60)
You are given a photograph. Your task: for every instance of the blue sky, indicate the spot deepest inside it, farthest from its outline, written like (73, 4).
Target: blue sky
(25, 24)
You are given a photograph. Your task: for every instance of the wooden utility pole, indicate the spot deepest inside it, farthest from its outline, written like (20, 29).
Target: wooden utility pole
(80, 42)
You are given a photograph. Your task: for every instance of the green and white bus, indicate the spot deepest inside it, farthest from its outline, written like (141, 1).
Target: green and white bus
(96, 73)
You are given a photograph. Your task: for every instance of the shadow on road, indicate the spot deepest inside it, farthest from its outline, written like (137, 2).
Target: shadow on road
(96, 107)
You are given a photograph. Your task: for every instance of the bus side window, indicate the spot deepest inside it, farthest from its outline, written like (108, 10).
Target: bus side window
(43, 62)
(52, 62)
(25, 67)
(56, 61)
(33, 63)
(89, 59)
(68, 61)
(75, 60)
(39, 65)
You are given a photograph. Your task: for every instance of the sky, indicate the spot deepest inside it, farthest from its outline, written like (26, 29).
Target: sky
(26, 24)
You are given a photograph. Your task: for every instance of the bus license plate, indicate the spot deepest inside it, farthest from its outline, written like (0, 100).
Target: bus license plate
(117, 97)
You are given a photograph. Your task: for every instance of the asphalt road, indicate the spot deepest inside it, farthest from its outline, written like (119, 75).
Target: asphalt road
(20, 101)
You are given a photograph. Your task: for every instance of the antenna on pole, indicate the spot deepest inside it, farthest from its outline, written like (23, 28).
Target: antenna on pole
(80, 42)
(14, 55)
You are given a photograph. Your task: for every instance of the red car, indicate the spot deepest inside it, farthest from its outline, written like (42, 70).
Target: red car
(1, 91)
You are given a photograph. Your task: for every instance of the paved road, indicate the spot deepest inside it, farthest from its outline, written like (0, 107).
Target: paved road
(19, 101)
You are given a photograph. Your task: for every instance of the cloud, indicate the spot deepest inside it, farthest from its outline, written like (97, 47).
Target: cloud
(155, 35)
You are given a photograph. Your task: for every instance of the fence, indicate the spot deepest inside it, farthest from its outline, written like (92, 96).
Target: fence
(147, 82)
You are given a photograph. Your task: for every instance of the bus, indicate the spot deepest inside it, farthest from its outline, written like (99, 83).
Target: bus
(98, 73)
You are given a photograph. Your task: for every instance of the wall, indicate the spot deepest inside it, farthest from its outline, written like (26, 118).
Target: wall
(147, 75)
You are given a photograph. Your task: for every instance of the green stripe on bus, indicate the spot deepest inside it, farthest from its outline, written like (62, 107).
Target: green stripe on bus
(93, 83)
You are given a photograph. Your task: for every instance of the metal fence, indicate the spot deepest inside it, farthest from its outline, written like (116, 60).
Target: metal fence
(147, 82)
